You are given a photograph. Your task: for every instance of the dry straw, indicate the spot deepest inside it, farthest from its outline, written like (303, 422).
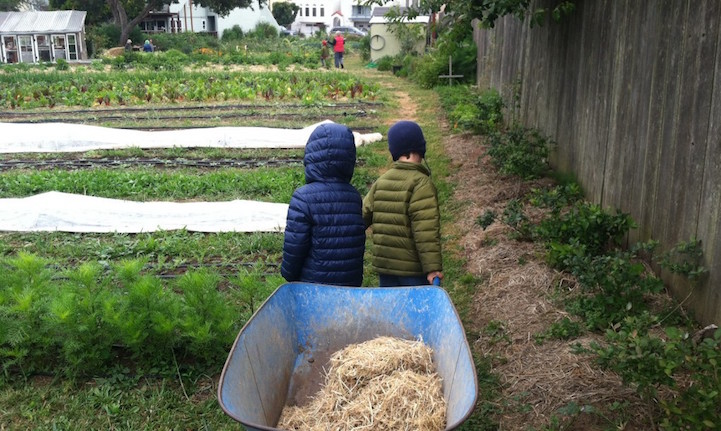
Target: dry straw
(382, 384)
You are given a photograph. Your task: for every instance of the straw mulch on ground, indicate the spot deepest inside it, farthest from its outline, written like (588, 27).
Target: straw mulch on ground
(514, 303)
(382, 384)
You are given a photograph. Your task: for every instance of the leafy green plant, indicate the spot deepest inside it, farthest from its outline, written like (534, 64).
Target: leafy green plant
(514, 216)
(564, 329)
(76, 314)
(61, 64)
(557, 198)
(495, 332)
(697, 406)
(24, 295)
(614, 287)
(251, 288)
(587, 225)
(94, 316)
(468, 109)
(683, 259)
(520, 151)
(207, 318)
(486, 219)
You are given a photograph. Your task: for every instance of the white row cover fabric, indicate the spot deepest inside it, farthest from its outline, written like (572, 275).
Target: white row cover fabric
(67, 138)
(65, 212)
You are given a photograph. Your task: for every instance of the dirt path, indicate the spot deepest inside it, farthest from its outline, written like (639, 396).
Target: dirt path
(511, 304)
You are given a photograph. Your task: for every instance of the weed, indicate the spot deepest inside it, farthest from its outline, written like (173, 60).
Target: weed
(487, 405)
(514, 217)
(486, 219)
(495, 332)
(564, 329)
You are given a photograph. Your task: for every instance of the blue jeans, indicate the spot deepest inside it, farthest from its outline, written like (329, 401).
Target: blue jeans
(338, 59)
(386, 280)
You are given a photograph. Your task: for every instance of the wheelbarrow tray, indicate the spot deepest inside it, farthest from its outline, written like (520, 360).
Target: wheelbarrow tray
(279, 355)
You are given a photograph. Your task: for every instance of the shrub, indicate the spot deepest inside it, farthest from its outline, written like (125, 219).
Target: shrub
(427, 69)
(385, 63)
(61, 64)
(234, 33)
(520, 151)
(263, 31)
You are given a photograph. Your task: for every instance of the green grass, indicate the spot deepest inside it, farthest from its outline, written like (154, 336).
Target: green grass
(114, 403)
(167, 249)
(142, 184)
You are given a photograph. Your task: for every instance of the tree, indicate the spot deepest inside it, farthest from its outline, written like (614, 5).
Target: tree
(97, 10)
(285, 12)
(122, 9)
(10, 5)
(459, 14)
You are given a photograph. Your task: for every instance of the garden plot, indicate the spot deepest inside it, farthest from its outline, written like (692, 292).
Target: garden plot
(361, 116)
(52, 137)
(55, 211)
(179, 155)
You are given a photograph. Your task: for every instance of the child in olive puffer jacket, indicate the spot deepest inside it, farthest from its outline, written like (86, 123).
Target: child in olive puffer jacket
(402, 208)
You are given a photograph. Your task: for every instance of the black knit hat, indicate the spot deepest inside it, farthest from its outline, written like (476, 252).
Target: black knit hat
(405, 137)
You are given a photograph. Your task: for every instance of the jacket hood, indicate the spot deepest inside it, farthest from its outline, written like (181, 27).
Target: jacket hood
(330, 154)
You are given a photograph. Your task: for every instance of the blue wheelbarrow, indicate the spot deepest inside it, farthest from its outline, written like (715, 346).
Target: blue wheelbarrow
(278, 357)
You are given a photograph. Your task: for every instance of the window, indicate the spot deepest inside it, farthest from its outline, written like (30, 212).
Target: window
(72, 48)
(313, 10)
(322, 11)
(307, 11)
(25, 44)
(11, 50)
(43, 43)
(59, 47)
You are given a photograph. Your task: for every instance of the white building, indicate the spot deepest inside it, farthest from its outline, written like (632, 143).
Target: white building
(321, 15)
(39, 36)
(384, 43)
(186, 16)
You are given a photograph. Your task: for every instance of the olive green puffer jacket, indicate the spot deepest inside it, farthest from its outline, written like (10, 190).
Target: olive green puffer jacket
(402, 208)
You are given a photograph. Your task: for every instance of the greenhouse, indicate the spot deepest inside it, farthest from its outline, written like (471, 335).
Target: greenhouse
(36, 37)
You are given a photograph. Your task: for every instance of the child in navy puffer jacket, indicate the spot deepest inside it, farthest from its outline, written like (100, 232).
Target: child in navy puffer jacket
(325, 232)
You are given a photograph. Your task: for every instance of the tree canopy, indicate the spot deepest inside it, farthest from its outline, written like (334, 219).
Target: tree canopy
(285, 12)
(98, 11)
(459, 14)
(11, 5)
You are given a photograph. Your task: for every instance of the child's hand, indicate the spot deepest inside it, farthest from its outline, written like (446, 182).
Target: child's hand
(434, 274)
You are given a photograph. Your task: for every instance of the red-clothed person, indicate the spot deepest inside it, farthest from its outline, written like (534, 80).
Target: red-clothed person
(338, 49)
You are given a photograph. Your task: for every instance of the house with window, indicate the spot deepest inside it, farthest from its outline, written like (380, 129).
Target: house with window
(42, 36)
(385, 43)
(321, 15)
(186, 16)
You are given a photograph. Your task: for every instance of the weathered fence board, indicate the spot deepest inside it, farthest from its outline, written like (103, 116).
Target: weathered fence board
(707, 301)
(631, 92)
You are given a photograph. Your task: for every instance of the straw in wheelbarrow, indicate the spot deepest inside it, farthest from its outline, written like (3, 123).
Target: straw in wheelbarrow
(382, 384)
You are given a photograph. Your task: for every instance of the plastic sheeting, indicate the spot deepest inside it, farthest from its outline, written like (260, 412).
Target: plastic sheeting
(56, 211)
(61, 137)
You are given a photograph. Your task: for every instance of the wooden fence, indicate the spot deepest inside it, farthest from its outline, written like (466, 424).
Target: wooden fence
(631, 92)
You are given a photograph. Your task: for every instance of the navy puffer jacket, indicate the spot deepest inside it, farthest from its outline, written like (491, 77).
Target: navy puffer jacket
(325, 232)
